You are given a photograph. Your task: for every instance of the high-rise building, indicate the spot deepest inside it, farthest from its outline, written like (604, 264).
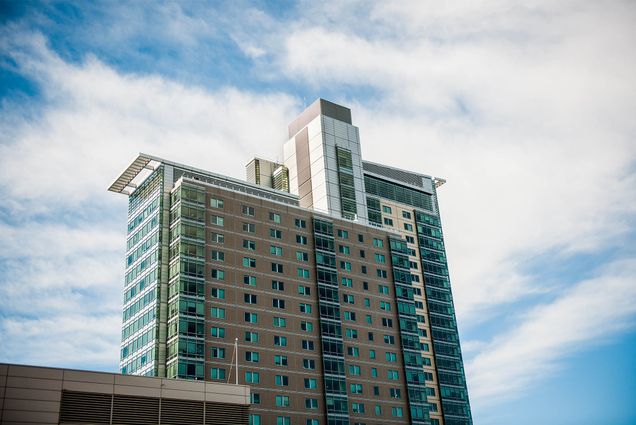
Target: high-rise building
(337, 290)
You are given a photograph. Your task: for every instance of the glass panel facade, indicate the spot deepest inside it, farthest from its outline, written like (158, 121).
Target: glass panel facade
(330, 324)
(439, 299)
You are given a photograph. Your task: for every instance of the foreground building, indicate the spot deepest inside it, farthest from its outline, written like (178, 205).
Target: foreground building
(330, 271)
(50, 396)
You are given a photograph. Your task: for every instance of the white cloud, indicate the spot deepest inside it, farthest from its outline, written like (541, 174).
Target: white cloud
(97, 120)
(592, 312)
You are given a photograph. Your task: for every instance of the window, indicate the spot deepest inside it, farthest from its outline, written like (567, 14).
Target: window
(354, 370)
(371, 354)
(353, 351)
(387, 322)
(217, 313)
(348, 298)
(365, 286)
(360, 238)
(346, 265)
(216, 203)
(346, 282)
(355, 388)
(311, 383)
(217, 237)
(305, 308)
(311, 403)
(385, 305)
(378, 243)
(217, 274)
(368, 319)
(370, 336)
(350, 315)
(397, 412)
(380, 258)
(389, 339)
(280, 322)
(248, 210)
(363, 269)
(283, 420)
(306, 326)
(249, 298)
(217, 256)
(217, 293)
(249, 262)
(410, 239)
(390, 357)
(278, 303)
(282, 401)
(406, 214)
(281, 380)
(304, 290)
(280, 360)
(383, 289)
(277, 268)
(302, 256)
(362, 254)
(351, 333)
(386, 209)
(309, 364)
(252, 377)
(388, 221)
(217, 373)
(300, 223)
(249, 280)
(343, 249)
(374, 372)
(251, 317)
(252, 356)
(367, 302)
(301, 239)
(357, 407)
(217, 353)
(249, 227)
(303, 273)
(274, 217)
(280, 341)
(276, 250)
(392, 375)
(307, 345)
(250, 245)
(255, 398)
(251, 336)
(378, 409)
(217, 332)
(395, 393)
(277, 285)
(408, 227)
(275, 233)
(344, 234)
(217, 220)
(381, 273)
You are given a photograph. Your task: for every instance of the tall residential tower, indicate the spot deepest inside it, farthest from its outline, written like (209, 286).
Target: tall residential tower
(329, 270)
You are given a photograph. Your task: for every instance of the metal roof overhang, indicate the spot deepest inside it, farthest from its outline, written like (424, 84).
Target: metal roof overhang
(124, 181)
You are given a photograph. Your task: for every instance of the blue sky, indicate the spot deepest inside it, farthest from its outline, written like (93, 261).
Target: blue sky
(526, 108)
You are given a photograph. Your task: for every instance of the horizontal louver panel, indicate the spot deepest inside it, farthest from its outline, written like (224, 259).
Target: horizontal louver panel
(80, 407)
(226, 414)
(177, 412)
(128, 410)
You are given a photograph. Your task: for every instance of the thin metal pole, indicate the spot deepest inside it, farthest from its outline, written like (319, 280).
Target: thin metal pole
(237, 356)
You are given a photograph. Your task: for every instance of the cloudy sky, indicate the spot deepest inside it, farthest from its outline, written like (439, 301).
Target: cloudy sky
(528, 109)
